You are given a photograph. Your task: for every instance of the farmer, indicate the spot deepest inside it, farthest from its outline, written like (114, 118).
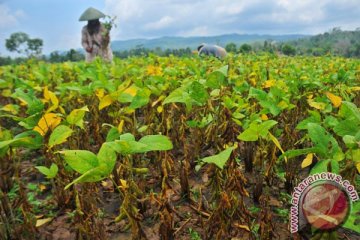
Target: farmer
(95, 37)
(211, 50)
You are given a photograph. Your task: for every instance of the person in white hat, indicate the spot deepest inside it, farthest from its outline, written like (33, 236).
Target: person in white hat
(95, 37)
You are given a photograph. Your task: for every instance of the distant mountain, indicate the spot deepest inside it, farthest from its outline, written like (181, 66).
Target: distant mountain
(194, 42)
(336, 42)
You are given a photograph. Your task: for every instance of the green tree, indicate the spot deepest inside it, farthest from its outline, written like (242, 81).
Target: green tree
(288, 50)
(74, 56)
(245, 48)
(34, 46)
(17, 42)
(21, 43)
(230, 47)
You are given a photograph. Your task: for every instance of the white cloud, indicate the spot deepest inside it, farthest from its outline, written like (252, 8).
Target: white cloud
(9, 19)
(197, 31)
(124, 9)
(164, 22)
(155, 18)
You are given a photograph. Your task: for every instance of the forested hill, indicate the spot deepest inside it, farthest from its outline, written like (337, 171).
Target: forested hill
(193, 42)
(336, 42)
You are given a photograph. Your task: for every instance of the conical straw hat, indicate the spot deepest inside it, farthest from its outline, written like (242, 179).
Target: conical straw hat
(91, 14)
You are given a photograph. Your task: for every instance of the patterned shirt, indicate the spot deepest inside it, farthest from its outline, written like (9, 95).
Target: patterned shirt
(98, 43)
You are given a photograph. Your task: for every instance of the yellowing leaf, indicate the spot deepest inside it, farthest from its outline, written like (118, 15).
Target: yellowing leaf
(131, 90)
(42, 187)
(269, 83)
(10, 108)
(277, 144)
(22, 102)
(6, 92)
(100, 93)
(252, 78)
(335, 100)
(105, 101)
(50, 96)
(242, 226)
(46, 122)
(283, 104)
(154, 70)
(317, 105)
(41, 222)
(120, 126)
(355, 89)
(62, 110)
(46, 93)
(264, 117)
(123, 184)
(158, 100)
(159, 109)
(358, 167)
(307, 161)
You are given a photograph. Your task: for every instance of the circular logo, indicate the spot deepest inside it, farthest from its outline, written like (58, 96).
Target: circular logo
(325, 206)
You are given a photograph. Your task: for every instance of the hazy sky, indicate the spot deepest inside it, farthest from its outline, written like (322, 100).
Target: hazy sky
(56, 21)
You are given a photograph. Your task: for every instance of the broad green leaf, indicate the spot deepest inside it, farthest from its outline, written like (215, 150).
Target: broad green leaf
(223, 70)
(178, 95)
(198, 93)
(128, 94)
(356, 155)
(352, 221)
(31, 121)
(141, 98)
(59, 135)
(34, 104)
(80, 160)
(127, 137)
(350, 141)
(349, 110)
(156, 143)
(92, 175)
(346, 127)
(256, 130)
(327, 165)
(28, 139)
(48, 172)
(219, 159)
(128, 147)
(112, 135)
(315, 117)
(250, 134)
(76, 117)
(330, 121)
(53, 170)
(325, 142)
(107, 156)
(264, 127)
(265, 100)
(298, 152)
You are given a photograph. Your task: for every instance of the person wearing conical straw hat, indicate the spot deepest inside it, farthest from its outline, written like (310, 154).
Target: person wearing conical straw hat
(95, 37)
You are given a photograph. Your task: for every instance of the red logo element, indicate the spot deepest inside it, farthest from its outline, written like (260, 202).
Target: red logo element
(325, 206)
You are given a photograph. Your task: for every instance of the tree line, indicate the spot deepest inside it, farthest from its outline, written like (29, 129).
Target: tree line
(335, 42)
